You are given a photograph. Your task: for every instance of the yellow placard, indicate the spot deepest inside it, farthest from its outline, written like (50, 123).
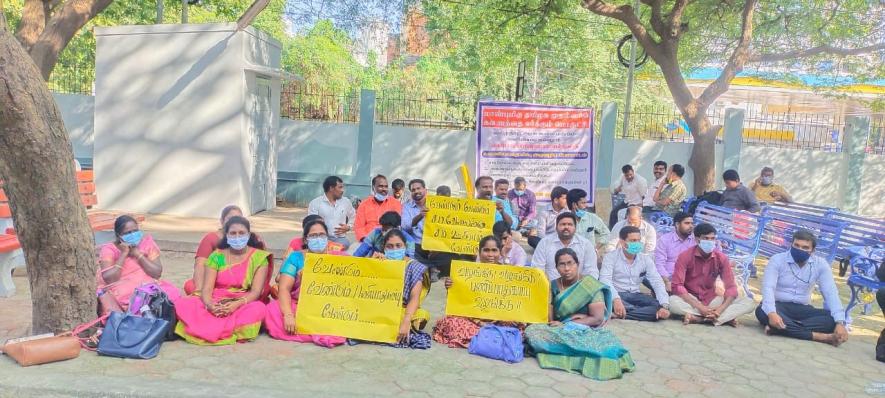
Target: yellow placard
(456, 225)
(465, 177)
(498, 292)
(355, 297)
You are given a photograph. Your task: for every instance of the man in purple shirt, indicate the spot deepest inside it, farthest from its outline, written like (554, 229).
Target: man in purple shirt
(523, 202)
(672, 244)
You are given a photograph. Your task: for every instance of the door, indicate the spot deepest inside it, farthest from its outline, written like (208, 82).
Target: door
(261, 136)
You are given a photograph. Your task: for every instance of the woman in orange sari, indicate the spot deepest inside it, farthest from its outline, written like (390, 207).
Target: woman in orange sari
(280, 318)
(229, 308)
(132, 260)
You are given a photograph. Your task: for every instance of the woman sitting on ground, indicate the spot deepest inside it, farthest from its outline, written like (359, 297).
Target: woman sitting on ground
(297, 243)
(230, 307)
(511, 252)
(415, 289)
(208, 245)
(280, 318)
(373, 244)
(575, 340)
(457, 331)
(132, 260)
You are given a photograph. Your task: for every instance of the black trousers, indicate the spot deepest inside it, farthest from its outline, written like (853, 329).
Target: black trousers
(613, 216)
(880, 344)
(534, 240)
(640, 307)
(801, 320)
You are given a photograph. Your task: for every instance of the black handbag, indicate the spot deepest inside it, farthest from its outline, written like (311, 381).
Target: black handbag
(131, 336)
(162, 308)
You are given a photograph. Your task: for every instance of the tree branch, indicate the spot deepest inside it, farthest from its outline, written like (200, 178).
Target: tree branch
(657, 20)
(737, 59)
(626, 15)
(61, 28)
(674, 22)
(34, 18)
(822, 49)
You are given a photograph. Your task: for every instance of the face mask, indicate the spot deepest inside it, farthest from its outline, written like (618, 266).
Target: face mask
(395, 254)
(634, 247)
(766, 180)
(580, 213)
(417, 197)
(238, 242)
(132, 238)
(317, 245)
(519, 193)
(379, 197)
(799, 256)
(707, 245)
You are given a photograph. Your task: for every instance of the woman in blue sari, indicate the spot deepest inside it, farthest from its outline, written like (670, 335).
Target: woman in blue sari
(575, 340)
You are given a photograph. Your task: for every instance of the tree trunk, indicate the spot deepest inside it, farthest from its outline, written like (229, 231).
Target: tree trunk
(703, 153)
(37, 165)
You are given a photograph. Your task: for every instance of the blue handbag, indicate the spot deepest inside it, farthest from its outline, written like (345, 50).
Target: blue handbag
(498, 342)
(130, 336)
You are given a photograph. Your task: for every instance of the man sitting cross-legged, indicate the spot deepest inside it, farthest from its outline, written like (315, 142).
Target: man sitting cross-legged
(694, 280)
(786, 291)
(624, 270)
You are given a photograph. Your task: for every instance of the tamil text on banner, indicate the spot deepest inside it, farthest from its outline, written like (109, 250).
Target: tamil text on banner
(354, 297)
(498, 292)
(456, 225)
(547, 145)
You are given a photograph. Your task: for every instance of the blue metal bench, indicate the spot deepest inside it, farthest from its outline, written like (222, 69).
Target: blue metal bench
(739, 233)
(662, 222)
(781, 223)
(864, 283)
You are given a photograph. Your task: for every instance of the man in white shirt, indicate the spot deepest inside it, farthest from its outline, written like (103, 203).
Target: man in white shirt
(624, 271)
(337, 212)
(660, 173)
(544, 256)
(649, 236)
(633, 186)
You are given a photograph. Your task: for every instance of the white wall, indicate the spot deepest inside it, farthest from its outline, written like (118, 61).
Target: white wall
(809, 176)
(430, 154)
(316, 147)
(78, 112)
(169, 131)
(872, 191)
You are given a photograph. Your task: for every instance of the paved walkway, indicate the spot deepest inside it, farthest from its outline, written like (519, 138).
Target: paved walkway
(671, 359)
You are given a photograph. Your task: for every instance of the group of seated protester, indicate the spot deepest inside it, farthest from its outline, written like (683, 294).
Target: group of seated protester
(595, 275)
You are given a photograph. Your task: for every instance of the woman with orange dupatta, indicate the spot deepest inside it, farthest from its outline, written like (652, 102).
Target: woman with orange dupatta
(229, 308)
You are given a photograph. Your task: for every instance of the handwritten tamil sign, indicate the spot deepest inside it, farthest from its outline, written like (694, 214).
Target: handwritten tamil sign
(360, 298)
(456, 225)
(498, 292)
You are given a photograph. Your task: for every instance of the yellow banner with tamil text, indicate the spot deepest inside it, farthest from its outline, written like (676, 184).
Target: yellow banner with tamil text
(498, 292)
(456, 225)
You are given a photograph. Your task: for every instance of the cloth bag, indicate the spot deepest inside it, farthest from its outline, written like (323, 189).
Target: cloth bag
(43, 349)
(130, 336)
(498, 342)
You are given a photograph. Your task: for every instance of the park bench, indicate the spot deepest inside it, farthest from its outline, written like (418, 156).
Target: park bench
(738, 233)
(781, 223)
(11, 257)
(863, 281)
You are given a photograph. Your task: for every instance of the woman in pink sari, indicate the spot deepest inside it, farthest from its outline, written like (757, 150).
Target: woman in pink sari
(229, 308)
(280, 319)
(132, 260)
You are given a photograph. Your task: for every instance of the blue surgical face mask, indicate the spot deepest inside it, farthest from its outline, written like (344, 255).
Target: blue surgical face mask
(766, 180)
(580, 213)
(707, 245)
(799, 256)
(379, 197)
(395, 254)
(635, 247)
(238, 242)
(317, 244)
(133, 238)
(519, 193)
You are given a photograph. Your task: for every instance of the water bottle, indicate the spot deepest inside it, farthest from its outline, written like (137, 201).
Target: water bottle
(146, 312)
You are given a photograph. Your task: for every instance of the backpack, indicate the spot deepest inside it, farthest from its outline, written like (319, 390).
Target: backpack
(149, 300)
(711, 197)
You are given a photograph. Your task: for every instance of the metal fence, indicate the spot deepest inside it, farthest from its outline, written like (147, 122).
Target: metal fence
(876, 140)
(298, 103)
(445, 112)
(822, 132)
(72, 79)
